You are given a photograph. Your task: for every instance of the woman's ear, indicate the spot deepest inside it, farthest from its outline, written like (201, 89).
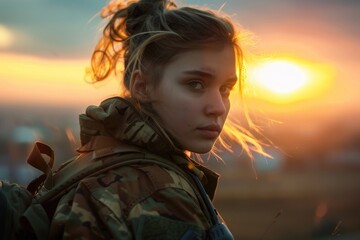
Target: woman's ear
(138, 87)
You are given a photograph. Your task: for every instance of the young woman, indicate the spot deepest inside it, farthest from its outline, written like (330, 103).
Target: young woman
(179, 66)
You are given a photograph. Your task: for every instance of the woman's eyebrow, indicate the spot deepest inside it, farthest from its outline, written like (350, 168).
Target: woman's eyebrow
(209, 75)
(200, 73)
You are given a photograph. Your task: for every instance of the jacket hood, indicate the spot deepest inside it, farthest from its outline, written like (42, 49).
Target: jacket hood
(118, 118)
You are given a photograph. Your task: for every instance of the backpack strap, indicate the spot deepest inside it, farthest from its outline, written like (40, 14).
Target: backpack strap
(37, 160)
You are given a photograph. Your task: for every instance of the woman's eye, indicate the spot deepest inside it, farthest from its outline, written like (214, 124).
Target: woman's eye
(196, 85)
(225, 90)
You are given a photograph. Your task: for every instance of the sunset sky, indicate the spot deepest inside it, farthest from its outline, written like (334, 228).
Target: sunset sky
(45, 47)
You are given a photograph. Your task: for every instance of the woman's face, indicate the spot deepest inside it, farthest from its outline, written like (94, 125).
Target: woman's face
(192, 98)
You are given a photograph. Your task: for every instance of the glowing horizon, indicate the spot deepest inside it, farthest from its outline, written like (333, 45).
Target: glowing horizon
(33, 80)
(27, 79)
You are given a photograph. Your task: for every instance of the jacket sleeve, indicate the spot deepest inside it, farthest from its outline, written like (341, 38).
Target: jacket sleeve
(89, 214)
(145, 202)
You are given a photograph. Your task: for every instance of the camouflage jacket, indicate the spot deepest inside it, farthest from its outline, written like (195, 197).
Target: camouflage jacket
(138, 201)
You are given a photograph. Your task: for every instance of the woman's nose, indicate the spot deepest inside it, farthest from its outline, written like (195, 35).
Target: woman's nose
(215, 105)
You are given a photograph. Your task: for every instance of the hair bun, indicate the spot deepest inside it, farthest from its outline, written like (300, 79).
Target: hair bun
(138, 12)
(143, 8)
(149, 7)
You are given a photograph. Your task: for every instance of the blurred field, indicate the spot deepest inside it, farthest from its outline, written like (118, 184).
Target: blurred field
(297, 204)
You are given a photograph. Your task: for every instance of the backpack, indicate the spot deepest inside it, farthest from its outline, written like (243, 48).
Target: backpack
(26, 213)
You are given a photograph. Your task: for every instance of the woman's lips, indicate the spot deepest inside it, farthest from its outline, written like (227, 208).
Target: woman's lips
(210, 131)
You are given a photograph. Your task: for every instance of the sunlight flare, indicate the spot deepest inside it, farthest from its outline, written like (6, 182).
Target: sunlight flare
(280, 76)
(285, 80)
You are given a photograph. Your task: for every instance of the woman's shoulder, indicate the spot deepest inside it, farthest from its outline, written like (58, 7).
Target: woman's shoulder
(135, 183)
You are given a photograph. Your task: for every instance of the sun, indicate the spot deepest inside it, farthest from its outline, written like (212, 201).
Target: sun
(285, 80)
(280, 76)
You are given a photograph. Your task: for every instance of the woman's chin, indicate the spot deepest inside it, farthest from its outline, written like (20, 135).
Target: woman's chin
(200, 148)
